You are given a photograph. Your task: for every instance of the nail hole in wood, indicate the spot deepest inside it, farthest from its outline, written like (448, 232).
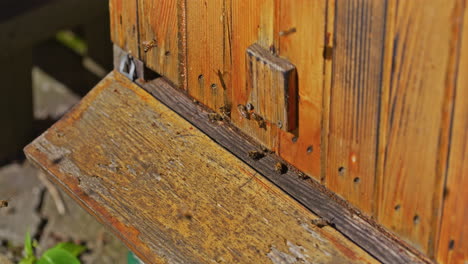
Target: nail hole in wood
(451, 244)
(213, 86)
(294, 139)
(397, 207)
(341, 171)
(357, 180)
(167, 53)
(200, 77)
(416, 219)
(310, 149)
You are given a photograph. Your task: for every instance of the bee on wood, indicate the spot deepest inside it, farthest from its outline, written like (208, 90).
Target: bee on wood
(213, 117)
(303, 176)
(321, 222)
(3, 203)
(243, 111)
(280, 168)
(225, 111)
(256, 155)
(147, 45)
(260, 121)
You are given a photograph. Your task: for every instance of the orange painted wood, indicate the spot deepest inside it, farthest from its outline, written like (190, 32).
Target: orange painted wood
(159, 45)
(252, 22)
(209, 52)
(301, 41)
(124, 25)
(354, 100)
(415, 118)
(453, 242)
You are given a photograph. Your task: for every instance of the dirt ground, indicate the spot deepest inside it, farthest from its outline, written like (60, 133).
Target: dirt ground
(32, 207)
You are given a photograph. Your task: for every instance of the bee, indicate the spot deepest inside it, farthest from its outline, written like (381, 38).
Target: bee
(147, 45)
(321, 222)
(243, 111)
(287, 32)
(303, 176)
(3, 203)
(256, 155)
(260, 121)
(280, 168)
(225, 111)
(213, 117)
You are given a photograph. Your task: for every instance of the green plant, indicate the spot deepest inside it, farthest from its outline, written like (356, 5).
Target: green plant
(62, 253)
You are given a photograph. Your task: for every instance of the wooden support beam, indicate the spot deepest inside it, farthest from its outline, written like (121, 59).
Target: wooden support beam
(170, 192)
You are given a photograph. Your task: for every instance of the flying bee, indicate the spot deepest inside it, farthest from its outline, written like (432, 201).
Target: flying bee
(3, 203)
(256, 155)
(280, 168)
(147, 45)
(243, 111)
(260, 121)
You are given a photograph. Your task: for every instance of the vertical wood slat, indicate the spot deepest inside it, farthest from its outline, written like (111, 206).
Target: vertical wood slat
(209, 51)
(158, 24)
(124, 27)
(453, 243)
(252, 22)
(301, 41)
(354, 100)
(415, 120)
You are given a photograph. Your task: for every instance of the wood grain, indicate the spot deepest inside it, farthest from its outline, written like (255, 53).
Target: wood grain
(170, 192)
(252, 22)
(124, 25)
(416, 116)
(453, 242)
(308, 192)
(209, 52)
(354, 100)
(272, 82)
(158, 36)
(301, 41)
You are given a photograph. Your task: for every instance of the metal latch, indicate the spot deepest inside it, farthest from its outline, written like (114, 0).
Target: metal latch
(127, 66)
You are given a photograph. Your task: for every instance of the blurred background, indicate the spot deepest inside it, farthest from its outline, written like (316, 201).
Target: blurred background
(52, 52)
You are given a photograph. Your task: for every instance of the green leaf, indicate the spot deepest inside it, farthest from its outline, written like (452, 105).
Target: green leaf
(28, 248)
(28, 260)
(72, 248)
(58, 256)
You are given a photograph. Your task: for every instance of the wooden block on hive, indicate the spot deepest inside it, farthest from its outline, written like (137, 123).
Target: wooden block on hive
(272, 83)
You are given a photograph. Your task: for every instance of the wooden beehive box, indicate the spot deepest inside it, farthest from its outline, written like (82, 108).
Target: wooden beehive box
(355, 111)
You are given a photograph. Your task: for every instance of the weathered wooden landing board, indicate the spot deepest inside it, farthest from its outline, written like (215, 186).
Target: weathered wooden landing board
(170, 192)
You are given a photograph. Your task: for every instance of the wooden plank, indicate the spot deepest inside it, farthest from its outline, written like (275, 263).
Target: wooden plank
(453, 242)
(159, 46)
(124, 25)
(354, 100)
(170, 192)
(252, 22)
(272, 82)
(209, 37)
(301, 41)
(416, 118)
(314, 196)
